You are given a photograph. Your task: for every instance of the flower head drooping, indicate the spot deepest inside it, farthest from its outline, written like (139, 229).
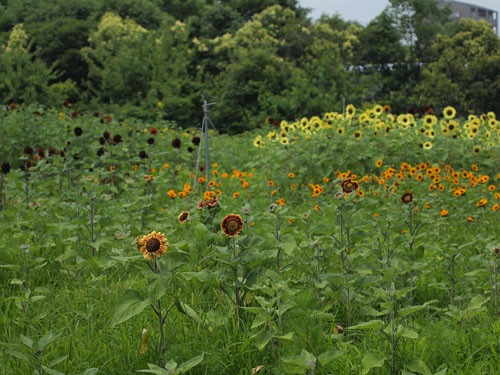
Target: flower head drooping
(5, 168)
(348, 186)
(143, 154)
(176, 143)
(117, 139)
(196, 141)
(407, 197)
(231, 225)
(152, 243)
(183, 217)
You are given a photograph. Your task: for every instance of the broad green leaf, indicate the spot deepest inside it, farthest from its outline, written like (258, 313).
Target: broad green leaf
(186, 309)
(370, 361)
(262, 338)
(288, 244)
(368, 310)
(51, 371)
(12, 267)
(327, 357)
(153, 369)
(408, 333)
(204, 275)
(19, 355)
(188, 365)
(372, 324)
(260, 319)
(57, 360)
(419, 366)
(28, 341)
(171, 365)
(47, 339)
(305, 359)
(410, 310)
(130, 304)
(477, 301)
(404, 291)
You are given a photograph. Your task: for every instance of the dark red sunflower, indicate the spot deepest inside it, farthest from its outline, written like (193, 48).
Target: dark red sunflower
(348, 186)
(183, 217)
(231, 225)
(407, 197)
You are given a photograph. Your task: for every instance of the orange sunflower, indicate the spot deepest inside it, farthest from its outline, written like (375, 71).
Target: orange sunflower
(152, 243)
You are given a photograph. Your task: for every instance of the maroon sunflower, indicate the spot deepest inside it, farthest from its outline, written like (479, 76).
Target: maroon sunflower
(183, 217)
(212, 202)
(152, 243)
(231, 225)
(407, 197)
(348, 186)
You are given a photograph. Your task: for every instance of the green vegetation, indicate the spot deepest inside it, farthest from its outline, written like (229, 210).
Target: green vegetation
(364, 244)
(257, 59)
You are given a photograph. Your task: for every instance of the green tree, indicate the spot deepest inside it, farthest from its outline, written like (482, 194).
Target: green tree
(24, 77)
(466, 73)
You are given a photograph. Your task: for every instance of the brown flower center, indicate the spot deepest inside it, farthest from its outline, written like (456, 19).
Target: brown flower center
(232, 225)
(153, 245)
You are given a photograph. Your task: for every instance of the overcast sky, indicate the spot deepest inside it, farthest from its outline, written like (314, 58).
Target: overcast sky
(364, 11)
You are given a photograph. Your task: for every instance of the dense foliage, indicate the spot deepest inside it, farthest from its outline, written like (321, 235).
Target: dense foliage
(257, 59)
(357, 244)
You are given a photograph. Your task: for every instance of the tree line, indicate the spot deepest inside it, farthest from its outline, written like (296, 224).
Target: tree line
(258, 59)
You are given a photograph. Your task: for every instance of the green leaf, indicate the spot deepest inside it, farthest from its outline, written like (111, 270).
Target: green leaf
(186, 309)
(327, 357)
(260, 319)
(47, 339)
(262, 338)
(372, 324)
(407, 332)
(90, 371)
(305, 359)
(477, 302)
(188, 365)
(370, 361)
(368, 310)
(404, 291)
(288, 245)
(130, 304)
(204, 275)
(50, 371)
(442, 372)
(28, 341)
(287, 336)
(58, 360)
(19, 355)
(410, 310)
(153, 369)
(419, 366)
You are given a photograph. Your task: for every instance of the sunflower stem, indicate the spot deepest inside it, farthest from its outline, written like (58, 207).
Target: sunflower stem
(236, 287)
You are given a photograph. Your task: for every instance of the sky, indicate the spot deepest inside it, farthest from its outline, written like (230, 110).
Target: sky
(364, 11)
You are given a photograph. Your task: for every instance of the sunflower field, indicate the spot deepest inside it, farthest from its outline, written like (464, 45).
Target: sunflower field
(356, 243)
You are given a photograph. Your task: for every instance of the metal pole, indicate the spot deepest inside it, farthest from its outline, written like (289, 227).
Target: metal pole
(204, 132)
